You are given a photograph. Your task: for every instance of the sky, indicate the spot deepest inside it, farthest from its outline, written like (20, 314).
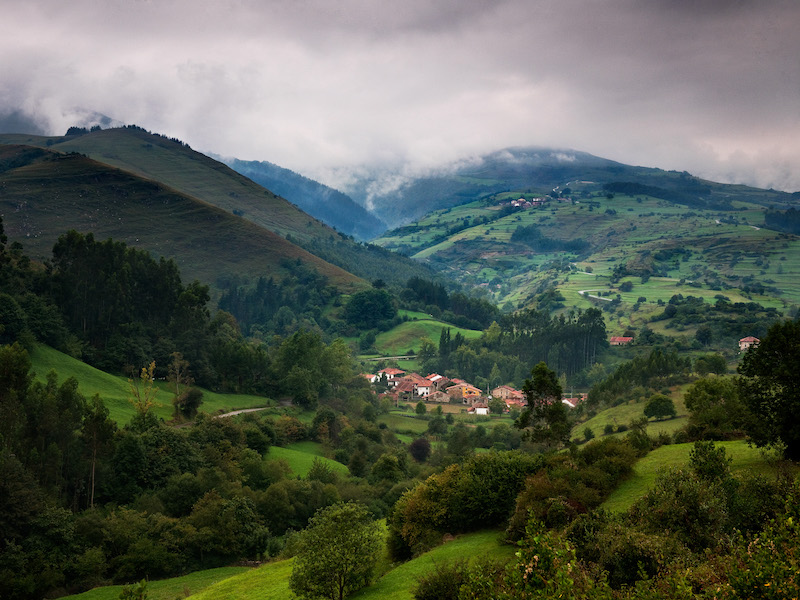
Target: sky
(326, 86)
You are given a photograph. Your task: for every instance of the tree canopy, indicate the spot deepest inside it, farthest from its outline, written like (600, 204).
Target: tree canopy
(770, 388)
(337, 553)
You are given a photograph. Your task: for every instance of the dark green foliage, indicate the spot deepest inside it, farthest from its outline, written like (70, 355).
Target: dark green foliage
(444, 583)
(336, 554)
(531, 236)
(280, 307)
(466, 497)
(710, 363)
(660, 407)
(715, 410)
(369, 308)
(770, 388)
(723, 322)
(655, 370)
(545, 417)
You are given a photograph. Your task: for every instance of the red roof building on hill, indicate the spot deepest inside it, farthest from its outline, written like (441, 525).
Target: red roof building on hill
(748, 342)
(620, 341)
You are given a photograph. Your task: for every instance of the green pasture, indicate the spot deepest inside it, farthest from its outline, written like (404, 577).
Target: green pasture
(409, 335)
(625, 413)
(301, 455)
(169, 589)
(115, 390)
(745, 458)
(268, 582)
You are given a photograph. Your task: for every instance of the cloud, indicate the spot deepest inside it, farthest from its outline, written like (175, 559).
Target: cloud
(321, 87)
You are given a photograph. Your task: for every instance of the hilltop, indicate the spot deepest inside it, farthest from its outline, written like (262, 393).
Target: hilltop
(627, 248)
(400, 198)
(171, 164)
(45, 193)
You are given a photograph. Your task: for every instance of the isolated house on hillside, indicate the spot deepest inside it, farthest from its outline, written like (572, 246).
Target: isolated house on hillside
(620, 341)
(748, 342)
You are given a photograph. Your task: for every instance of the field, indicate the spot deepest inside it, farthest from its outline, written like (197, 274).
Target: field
(115, 390)
(625, 413)
(169, 589)
(407, 337)
(718, 252)
(301, 456)
(745, 458)
(271, 581)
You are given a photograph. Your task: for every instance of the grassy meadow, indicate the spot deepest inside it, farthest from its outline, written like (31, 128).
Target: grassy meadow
(745, 458)
(115, 390)
(727, 249)
(300, 457)
(169, 589)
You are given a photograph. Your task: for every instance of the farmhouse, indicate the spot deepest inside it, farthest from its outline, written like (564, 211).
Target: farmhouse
(392, 374)
(620, 341)
(506, 392)
(748, 342)
(420, 385)
(439, 396)
(479, 408)
(465, 392)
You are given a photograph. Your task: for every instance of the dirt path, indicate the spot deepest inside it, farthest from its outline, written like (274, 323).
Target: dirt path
(586, 293)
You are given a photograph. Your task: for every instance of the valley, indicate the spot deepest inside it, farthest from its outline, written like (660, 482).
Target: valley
(543, 357)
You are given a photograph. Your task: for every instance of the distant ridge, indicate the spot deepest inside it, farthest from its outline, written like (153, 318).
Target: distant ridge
(326, 204)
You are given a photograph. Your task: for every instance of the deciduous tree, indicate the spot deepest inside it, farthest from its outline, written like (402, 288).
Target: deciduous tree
(337, 553)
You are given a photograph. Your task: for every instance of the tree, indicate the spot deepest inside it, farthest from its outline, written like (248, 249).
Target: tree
(143, 391)
(659, 406)
(337, 553)
(420, 449)
(497, 406)
(545, 415)
(770, 388)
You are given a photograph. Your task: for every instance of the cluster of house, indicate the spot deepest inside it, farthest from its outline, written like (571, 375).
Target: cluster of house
(409, 387)
(525, 203)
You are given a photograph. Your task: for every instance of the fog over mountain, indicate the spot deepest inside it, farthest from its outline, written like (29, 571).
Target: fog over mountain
(327, 88)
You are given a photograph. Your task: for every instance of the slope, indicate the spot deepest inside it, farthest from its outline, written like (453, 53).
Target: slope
(326, 204)
(177, 166)
(628, 254)
(534, 170)
(43, 194)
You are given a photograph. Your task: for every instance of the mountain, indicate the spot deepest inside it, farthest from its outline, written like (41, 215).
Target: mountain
(575, 231)
(175, 165)
(44, 193)
(534, 170)
(326, 204)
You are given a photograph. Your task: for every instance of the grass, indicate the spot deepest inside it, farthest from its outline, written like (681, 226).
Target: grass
(409, 335)
(169, 589)
(301, 456)
(625, 413)
(207, 241)
(271, 581)
(115, 391)
(745, 458)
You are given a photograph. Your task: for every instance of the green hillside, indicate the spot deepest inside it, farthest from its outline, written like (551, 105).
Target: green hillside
(44, 194)
(176, 166)
(745, 458)
(115, 391)
(634, 246)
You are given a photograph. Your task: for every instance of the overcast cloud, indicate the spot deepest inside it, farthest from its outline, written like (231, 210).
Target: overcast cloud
(711, 87)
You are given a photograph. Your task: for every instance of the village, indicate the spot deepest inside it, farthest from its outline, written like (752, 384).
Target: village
(437, 389)
(405, 387)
